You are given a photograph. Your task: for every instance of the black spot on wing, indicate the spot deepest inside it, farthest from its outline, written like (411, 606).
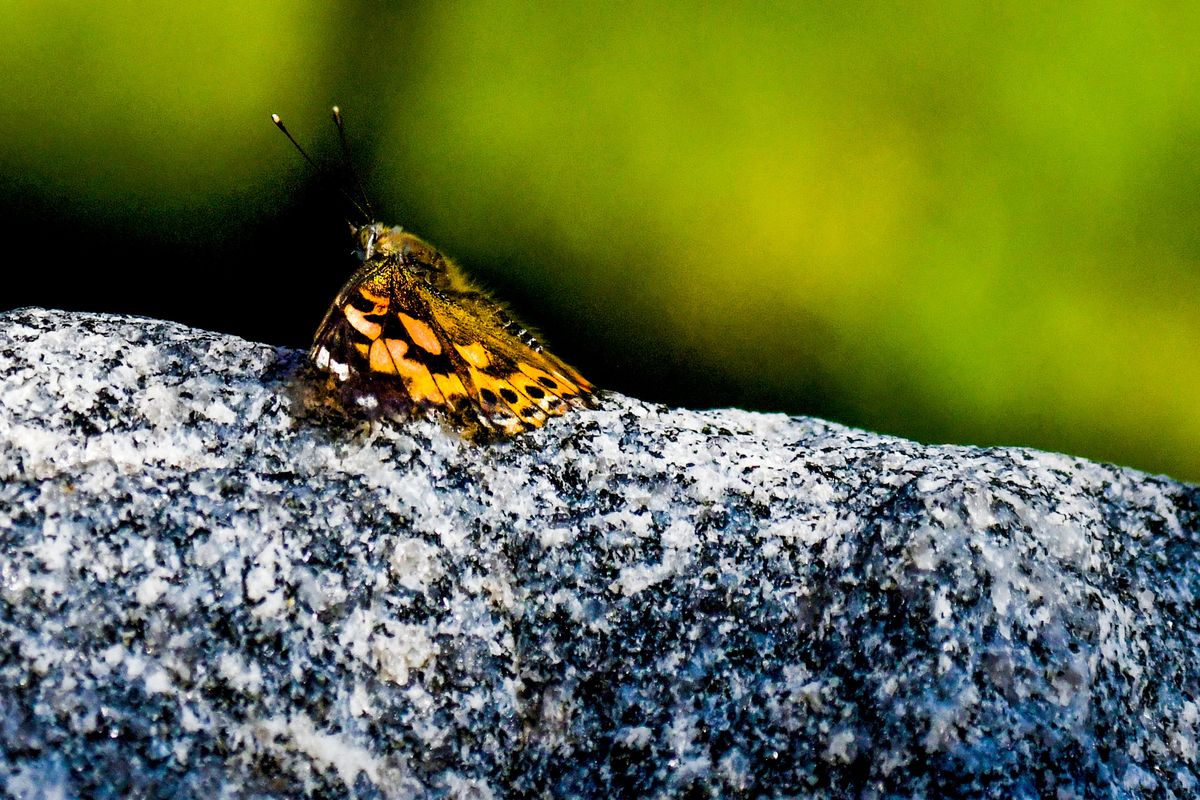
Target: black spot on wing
(393, 328)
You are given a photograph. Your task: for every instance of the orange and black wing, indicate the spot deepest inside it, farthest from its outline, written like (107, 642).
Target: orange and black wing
(395, 345)
(375, 344)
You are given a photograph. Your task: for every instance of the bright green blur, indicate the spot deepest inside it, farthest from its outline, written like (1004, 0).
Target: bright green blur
(949, 223)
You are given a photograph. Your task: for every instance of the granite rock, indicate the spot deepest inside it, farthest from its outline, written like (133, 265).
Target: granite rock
(206, 591)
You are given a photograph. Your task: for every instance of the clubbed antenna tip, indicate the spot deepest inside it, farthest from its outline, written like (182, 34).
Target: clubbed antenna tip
(279, 124)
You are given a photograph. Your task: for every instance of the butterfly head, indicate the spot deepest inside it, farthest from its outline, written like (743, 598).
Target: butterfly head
(369, 239)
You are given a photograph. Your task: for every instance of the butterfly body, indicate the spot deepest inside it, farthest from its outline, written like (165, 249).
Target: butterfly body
(409, 334)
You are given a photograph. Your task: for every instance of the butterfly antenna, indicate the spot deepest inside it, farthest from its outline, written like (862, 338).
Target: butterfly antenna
(349, 162)
(357, 205)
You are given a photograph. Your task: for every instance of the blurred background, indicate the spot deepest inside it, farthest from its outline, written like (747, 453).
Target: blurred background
(953, 222)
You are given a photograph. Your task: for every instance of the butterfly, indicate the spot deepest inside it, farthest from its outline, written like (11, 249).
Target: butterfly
(409, 334)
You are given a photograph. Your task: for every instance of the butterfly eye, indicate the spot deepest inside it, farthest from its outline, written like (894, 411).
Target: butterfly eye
(366, 243)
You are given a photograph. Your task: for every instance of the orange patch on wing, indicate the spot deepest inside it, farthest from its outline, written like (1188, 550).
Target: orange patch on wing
(421, 385)
(387, 356)
(396, 349)
(380, 359)
(422, 335)
(475, 354)
(451, 386)
(360, 323)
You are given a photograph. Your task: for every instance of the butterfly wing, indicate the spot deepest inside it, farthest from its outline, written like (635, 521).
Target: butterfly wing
(513, 383)
(396, 344)
(342, 345)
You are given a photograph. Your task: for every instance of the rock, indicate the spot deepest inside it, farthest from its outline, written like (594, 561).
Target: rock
(204, 593)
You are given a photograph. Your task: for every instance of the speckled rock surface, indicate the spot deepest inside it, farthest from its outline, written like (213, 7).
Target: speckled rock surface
(202, 595)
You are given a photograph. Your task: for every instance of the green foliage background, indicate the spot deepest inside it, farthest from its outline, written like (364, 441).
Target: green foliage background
(950, 221)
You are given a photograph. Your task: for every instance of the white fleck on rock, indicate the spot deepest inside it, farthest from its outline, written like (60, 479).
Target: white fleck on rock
(220, 413)
(462, 788)
(243, 676)
(151, 590)
(637, 737)
(415, 564)
(157, 682)
(841, 747)
(328, 750)
(680, 535)
(400, 648)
